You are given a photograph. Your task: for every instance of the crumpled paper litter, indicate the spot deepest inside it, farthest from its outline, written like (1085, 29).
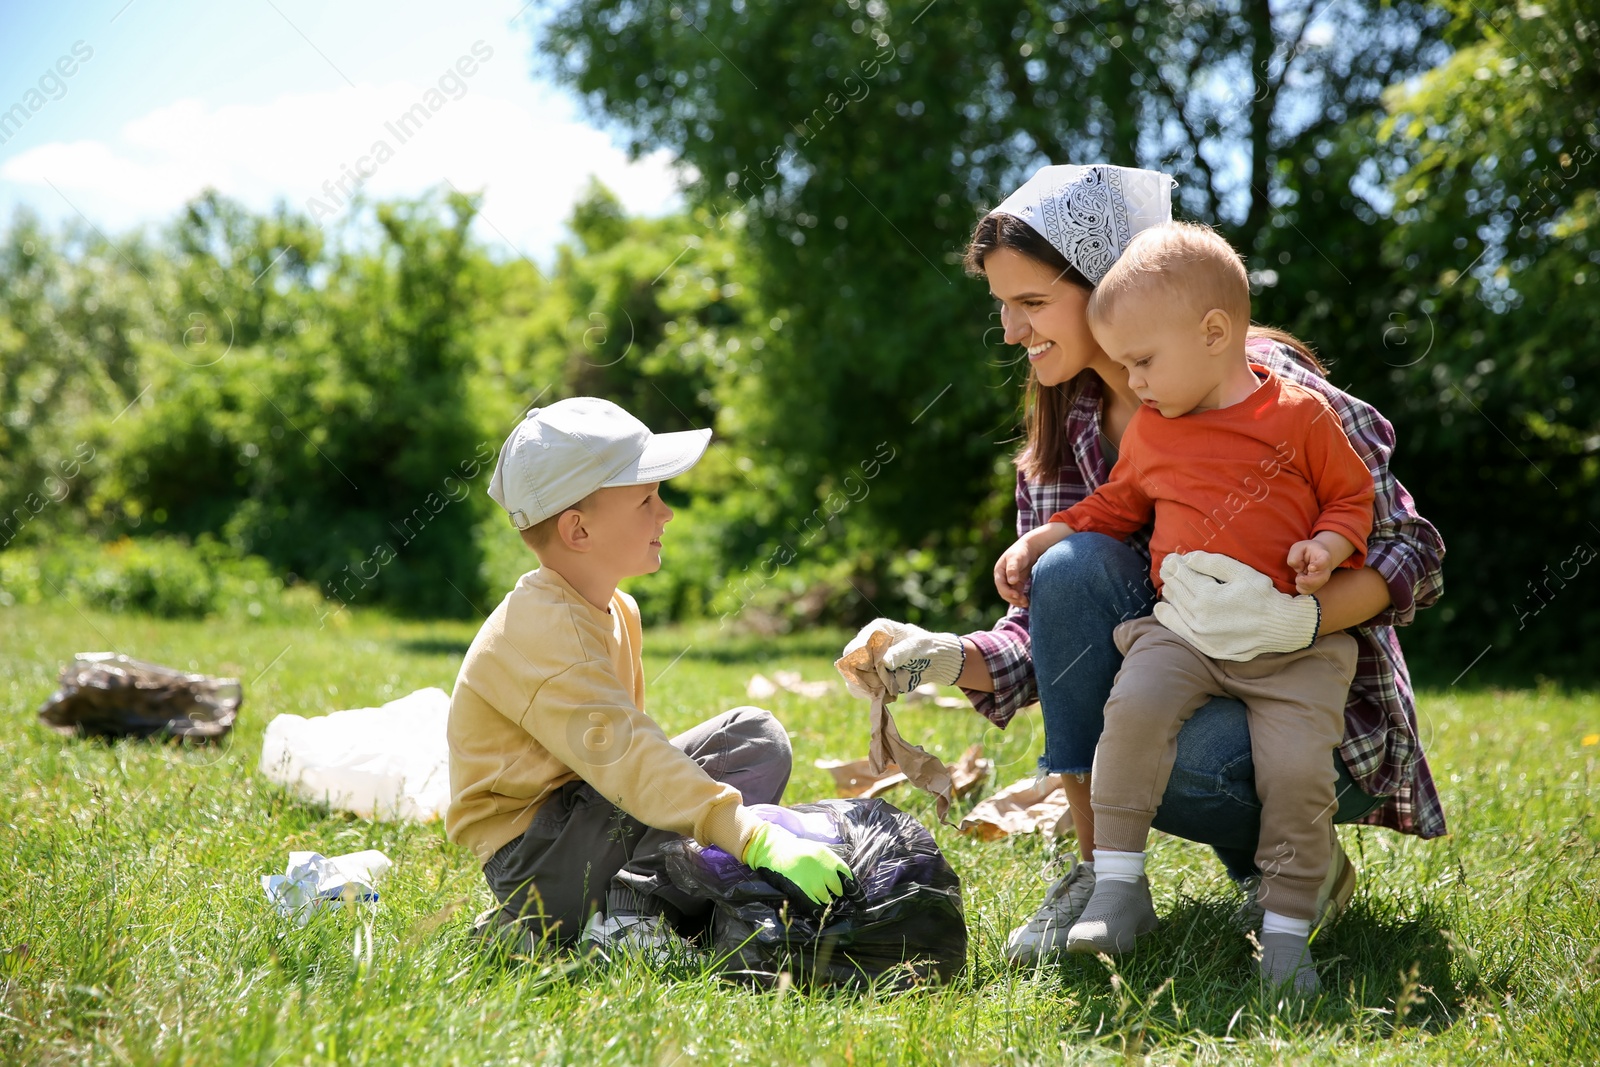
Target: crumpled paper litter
(313, 882)
(864, 667)
(1033, 805)
(760, 687)
(854, 778)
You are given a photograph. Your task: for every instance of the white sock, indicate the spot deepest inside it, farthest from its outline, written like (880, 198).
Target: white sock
(1118, 866)
(1273, 923)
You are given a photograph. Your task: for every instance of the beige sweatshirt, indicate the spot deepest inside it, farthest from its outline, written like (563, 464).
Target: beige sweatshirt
(552, 689)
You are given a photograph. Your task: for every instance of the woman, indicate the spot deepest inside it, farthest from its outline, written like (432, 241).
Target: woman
(1042, 251)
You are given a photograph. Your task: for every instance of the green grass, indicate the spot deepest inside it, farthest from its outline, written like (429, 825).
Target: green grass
(133, 928)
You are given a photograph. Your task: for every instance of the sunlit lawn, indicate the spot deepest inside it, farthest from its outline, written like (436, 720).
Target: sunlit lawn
(133, 927)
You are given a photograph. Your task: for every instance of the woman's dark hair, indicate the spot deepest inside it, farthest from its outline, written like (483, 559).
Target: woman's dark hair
(1046, 448)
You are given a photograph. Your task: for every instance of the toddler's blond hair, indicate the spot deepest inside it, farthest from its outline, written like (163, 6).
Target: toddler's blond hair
(1181, 261)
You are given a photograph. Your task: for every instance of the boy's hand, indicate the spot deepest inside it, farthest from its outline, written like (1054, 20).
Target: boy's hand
(1314, 561)
(811, 866)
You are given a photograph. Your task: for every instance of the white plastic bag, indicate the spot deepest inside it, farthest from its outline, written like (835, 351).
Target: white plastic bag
(313, 881)
(387, 763)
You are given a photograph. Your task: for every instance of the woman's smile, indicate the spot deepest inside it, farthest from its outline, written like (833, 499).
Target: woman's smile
(1042, 314)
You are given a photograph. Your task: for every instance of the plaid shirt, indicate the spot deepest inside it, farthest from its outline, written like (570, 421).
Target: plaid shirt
(1381, 747)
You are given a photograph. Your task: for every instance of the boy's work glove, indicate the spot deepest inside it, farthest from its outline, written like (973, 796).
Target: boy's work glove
(1229, 610)
(810, 865)
(914, 656)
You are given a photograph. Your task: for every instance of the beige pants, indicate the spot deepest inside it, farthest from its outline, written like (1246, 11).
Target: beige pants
(1296, 702)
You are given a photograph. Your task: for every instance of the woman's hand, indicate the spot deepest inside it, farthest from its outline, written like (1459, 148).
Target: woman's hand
(914, 656)
(1231, 611)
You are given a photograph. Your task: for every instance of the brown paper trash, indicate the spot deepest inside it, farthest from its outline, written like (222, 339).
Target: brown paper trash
(928, 693)
(923, 769)
(1033, 805)
(760, 687)
(854, 778)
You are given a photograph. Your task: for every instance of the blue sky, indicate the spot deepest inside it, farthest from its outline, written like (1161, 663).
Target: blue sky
(286, 100)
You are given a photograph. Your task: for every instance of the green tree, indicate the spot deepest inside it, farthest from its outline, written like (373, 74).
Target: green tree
(860, 142)
(1498, 233)
(71, 312)
(1439, 252)
(336, 406)
(314, 408)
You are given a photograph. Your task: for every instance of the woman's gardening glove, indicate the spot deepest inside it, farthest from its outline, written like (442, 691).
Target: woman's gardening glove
(1232, 611)
(811, 866)
(914, 656)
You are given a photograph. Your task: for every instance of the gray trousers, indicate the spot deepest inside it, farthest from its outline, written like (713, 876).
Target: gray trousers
(583, 854)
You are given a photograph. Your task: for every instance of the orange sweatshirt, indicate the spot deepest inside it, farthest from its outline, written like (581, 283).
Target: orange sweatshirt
(1245, 481)
(552, 689)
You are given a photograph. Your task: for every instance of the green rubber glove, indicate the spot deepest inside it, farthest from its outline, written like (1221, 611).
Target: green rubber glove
(811, 866)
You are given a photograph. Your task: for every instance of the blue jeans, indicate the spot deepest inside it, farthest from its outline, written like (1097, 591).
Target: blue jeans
(1082, 588)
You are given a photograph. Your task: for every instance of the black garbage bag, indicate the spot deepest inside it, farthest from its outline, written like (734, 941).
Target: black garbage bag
(102, 694)
(901, 914)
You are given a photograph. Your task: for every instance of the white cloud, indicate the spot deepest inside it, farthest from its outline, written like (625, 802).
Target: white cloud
(530, 159)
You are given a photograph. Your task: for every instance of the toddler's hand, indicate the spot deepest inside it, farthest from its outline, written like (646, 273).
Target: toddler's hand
(1312, 564)
(1012, 572)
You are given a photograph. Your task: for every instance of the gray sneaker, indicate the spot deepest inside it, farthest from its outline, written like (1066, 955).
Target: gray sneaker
(1338, 886)
(1045, 934)
(494, 929)
(1286, 961)
(645, 937)
(1117, 913)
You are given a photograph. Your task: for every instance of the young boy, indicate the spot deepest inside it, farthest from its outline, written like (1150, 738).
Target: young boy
(1228, 458)
(560, 783)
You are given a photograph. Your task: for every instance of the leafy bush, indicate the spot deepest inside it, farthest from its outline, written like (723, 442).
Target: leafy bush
(161, 576)
(318, 417)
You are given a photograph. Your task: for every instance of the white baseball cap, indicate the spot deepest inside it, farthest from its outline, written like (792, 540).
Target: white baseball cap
(560, 454)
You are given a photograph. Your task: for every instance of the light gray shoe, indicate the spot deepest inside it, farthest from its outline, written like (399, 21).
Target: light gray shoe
(1338, 886)
(1286, 960)
(493, 929)
(645, 937)
(1045, 934)
(1117, 913)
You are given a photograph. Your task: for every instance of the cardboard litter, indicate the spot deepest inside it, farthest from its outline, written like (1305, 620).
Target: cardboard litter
(1033, 805)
